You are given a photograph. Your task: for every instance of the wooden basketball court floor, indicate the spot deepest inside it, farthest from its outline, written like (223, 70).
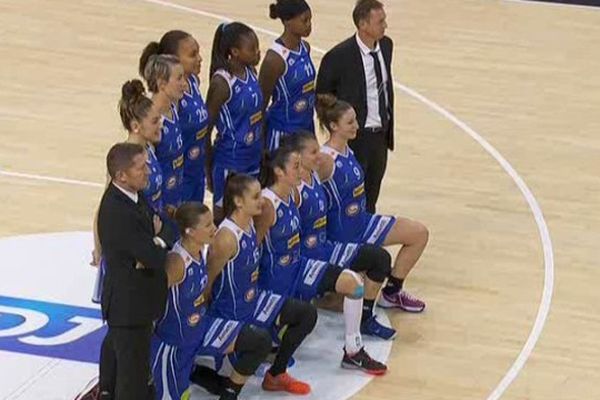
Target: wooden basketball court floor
(523, 77)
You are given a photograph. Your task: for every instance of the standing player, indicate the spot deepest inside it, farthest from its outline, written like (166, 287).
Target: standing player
(186, 330)
(288, 74)
(143, 123)
(312, 207)
(234, 104)
(193, 115)
(233, 262)
(348, 220)
(165, 79)
(284, 271)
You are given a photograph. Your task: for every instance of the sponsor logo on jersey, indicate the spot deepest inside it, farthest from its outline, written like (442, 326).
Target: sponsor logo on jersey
(201, 133)
(320, 223)
(352, 209)
(254, 276)
(313, 270)
(249, 295)
(285, 260)
(293, 241)
(255, 118)
(308, 87)
(199, 301)
(171, 182)
(194, 153)
(360, 189)
(311, 241)
(268, 309)
(300, 105)
(193, 319)
(249, 138)
(178, 162)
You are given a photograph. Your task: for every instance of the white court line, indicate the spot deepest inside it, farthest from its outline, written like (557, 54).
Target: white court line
(561, 5)
(50, 179)
(544, 307)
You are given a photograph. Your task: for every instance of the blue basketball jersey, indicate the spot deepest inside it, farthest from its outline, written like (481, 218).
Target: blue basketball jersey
(235, 290)
(193, 119)
(153, 191)
(238, 143)
(294, 96)
(313, 207)
(169, 153)
(180, 325)
(280, 261)
(346, 218)
(313, 218)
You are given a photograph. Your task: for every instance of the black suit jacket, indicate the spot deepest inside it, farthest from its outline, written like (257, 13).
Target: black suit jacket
(130, 296)
(342, 73)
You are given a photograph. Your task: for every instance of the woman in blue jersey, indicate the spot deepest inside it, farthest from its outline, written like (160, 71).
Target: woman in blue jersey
(186, 329)
(233, 262)
(143, 123)
(165, 79)
(287, 74)
(234, 103)
(193, 115)
(347, 218)
(285, 271)
(312, 203)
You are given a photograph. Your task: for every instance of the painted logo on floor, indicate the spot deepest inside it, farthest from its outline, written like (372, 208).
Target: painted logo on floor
(50, 329)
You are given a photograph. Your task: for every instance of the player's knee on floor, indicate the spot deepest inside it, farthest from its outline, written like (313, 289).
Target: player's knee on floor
(252, 346)
(350, 284)
(374, 261)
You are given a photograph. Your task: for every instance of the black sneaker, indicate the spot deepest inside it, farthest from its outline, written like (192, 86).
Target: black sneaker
(363, 361)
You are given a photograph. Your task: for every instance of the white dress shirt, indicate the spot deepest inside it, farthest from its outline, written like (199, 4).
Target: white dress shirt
(132, 195)
(373, 119)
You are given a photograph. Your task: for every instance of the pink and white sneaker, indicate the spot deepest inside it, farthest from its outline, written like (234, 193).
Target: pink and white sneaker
(402, 300)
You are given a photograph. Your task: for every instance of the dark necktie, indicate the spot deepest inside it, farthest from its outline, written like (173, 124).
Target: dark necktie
(383, 114)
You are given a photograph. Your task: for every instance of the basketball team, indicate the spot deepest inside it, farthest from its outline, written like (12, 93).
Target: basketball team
(292, 219)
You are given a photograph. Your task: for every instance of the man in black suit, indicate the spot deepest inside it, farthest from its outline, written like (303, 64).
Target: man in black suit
(135, 285)
(358, 70)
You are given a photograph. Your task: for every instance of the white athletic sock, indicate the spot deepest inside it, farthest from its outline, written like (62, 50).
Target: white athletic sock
(352, 317)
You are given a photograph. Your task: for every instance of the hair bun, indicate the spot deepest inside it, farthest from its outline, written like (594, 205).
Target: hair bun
(274, 10)
(132, 90)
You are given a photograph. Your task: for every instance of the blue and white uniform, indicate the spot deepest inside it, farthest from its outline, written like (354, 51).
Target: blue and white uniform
(235, 293)
(193, 120)
(294, 96)
(186, 330)
(347, 217)
(313, 221)
(153, 190)
(238, 145)
(169, 153)
(283, 270)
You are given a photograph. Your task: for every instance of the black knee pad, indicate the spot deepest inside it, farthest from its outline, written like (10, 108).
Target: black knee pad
(375, 261)
(330, 277)
(253, 344)
(297, 313)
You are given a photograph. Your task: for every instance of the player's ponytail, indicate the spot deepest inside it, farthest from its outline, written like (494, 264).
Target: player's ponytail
(227, 36)
(187, 215)
(235, 186)
(287, 9)
(134, 104)
(330, 109)
(151, 49)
